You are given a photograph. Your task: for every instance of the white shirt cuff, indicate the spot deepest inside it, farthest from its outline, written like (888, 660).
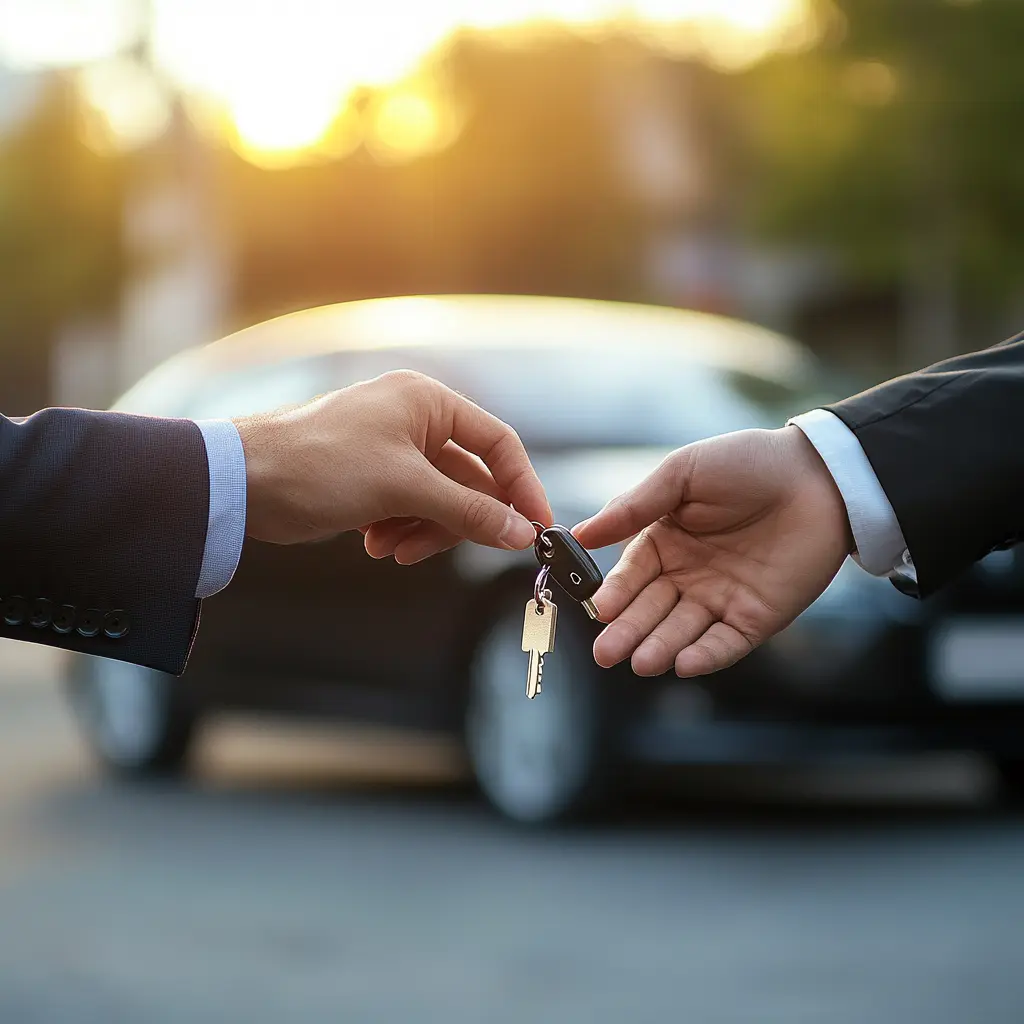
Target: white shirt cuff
(225, 528)
(881, 549)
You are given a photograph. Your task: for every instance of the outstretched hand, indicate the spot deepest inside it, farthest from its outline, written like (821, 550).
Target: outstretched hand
(736, 536)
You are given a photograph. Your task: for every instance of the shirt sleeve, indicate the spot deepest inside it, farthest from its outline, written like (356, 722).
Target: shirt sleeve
(881, 549)
(226, 525)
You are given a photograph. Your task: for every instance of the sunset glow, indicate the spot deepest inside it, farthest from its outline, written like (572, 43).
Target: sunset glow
(282, 72)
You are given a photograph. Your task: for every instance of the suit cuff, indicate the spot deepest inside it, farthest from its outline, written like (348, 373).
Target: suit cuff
(881, 549)
(225, 529)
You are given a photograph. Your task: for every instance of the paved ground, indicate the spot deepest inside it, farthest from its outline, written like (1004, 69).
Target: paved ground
(310, 877)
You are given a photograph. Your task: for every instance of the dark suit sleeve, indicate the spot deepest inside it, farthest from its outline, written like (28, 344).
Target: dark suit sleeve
(947, 446)
(102, 528)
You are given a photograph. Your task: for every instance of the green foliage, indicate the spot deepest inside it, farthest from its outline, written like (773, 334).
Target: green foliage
(526, 199)
(60, 217)
(901, 126)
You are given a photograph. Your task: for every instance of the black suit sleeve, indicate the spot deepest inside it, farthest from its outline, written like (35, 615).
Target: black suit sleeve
(103, 522)
(947, 446)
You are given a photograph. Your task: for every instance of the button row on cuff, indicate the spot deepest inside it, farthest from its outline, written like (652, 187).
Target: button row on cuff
(42, 613)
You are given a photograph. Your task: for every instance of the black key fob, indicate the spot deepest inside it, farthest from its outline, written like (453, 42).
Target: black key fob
(569, 565)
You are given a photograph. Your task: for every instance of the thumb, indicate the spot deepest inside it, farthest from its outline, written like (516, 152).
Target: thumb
(474, 515)
(656, 495)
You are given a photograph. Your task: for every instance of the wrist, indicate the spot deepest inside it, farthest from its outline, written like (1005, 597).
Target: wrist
(814, 482)
(266, 477)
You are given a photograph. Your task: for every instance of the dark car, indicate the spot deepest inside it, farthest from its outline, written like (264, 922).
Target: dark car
(599, 392)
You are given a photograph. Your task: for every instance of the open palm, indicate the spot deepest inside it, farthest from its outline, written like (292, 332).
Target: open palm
(736, 536)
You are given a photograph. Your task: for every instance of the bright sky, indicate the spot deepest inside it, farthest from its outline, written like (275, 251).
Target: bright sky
(283, 68)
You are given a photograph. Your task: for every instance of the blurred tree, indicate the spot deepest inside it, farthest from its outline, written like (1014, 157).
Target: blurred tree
(529, 196)
(525, 198)
(60, 252)
(896, 142)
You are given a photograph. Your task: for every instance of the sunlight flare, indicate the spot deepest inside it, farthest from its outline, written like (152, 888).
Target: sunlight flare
(282, 72)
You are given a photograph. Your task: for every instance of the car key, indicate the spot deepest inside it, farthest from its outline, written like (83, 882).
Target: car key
(570, 565)
(538, 633)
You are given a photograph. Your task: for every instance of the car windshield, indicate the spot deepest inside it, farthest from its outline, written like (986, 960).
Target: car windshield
(615, 397)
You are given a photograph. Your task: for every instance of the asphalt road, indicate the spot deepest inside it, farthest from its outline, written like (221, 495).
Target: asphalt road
(308, 877)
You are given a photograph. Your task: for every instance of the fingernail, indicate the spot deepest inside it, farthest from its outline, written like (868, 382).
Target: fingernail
(599, 599)
(518, 533)
(601, 653)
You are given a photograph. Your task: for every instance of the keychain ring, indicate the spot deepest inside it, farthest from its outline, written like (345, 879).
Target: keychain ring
(540, 595)
(545, 543)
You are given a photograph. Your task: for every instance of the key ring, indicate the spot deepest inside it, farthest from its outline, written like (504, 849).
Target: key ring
(547, 545)
(540, 595)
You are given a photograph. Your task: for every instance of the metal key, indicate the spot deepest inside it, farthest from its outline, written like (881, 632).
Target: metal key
(538, 638)
(570, 565)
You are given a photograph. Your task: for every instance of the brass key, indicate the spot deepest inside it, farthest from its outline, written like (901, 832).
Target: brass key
(538, 638)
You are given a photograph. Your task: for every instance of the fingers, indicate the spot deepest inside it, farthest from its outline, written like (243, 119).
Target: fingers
(471, 514)
(653, 630)
(412, 540)
(687, 621)
(637, 567)
(499, 446)
(718, 647)
(638, 507)
(381, 539)
(631, 627)
(429, 540)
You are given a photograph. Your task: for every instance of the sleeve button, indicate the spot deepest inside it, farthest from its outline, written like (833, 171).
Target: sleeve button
(116, 624)
(64, 618)
(40, 614)
(15, 611)
(90, 622)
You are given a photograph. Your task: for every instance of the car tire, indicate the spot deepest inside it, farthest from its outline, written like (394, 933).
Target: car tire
(544, 760)
(137, 722)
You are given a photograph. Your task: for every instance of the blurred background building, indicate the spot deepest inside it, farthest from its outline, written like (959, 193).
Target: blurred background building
(843, 170)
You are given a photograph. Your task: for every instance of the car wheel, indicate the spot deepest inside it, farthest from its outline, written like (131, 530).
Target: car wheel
(137, 721)
(536, 761)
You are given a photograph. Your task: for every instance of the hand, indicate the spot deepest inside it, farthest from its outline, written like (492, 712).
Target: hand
(737, 535)
(397, 458)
